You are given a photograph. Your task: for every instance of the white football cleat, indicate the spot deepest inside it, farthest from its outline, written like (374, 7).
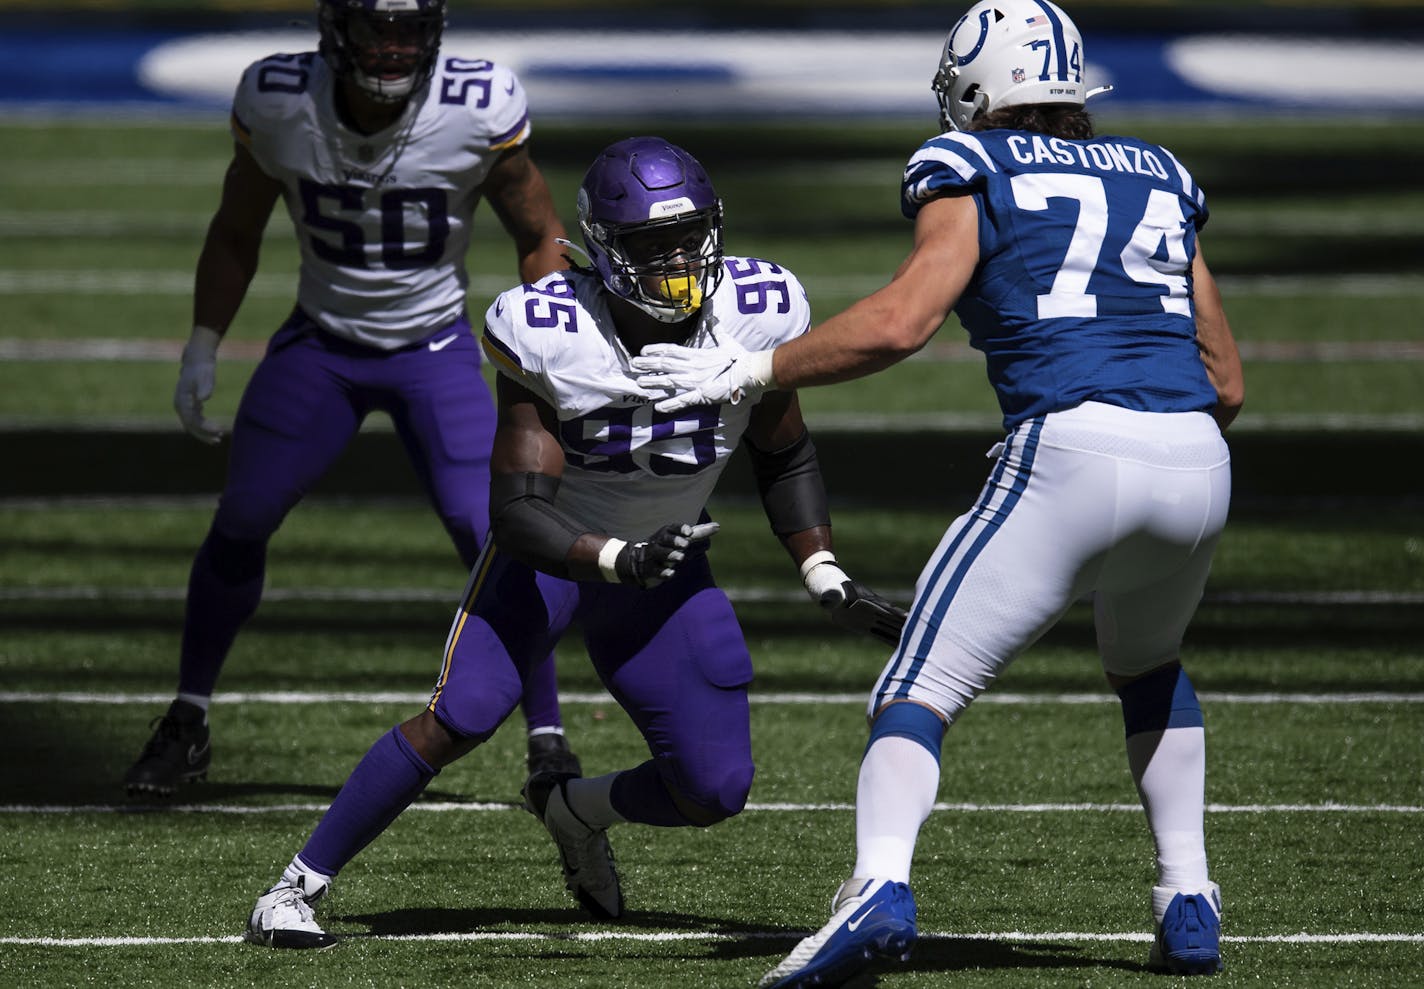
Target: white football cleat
(589, 872)
(283, 916)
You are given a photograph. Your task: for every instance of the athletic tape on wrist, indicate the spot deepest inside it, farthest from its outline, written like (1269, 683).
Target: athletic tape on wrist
(608, 559)
(815, 560)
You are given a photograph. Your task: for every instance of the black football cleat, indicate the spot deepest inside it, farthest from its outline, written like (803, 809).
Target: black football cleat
(549, 752)
(178, 752)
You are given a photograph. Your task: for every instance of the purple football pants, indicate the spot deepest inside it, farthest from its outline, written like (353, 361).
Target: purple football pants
(673, 657)
(304, 403)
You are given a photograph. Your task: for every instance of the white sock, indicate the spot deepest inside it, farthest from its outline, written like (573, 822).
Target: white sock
(197, 700)
(1169, 768)
(300, 874)
(899, 779)
(591, 799)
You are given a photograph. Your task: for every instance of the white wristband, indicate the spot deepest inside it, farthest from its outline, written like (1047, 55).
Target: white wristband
(608, 559)
(815, 560)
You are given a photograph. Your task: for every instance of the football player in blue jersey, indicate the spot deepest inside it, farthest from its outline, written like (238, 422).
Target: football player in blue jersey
(583, 469)
(1074, 263)
(380, 145)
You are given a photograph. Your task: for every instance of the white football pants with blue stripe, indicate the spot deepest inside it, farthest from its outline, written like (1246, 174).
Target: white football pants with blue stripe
(1100, 501)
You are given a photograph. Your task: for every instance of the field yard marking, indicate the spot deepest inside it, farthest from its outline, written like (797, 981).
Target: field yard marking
(599, 697)
(447, 807)
(947, 351)
(1136, 937)
(105, 281)
(738, 595)
(57, 224)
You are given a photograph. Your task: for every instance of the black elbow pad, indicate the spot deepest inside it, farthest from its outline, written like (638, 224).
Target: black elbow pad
(792, 490)
(525, 524)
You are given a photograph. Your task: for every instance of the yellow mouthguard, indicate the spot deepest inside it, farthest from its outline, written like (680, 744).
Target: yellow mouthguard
(684, 291)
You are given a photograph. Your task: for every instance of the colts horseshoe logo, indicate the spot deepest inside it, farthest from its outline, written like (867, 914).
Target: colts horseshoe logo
(954, 46)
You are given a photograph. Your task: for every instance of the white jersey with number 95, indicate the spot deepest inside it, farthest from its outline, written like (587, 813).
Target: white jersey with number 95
(629, 467)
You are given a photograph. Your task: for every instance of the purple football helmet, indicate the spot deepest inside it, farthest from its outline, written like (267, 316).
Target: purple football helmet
(652, 224)
(386, 47)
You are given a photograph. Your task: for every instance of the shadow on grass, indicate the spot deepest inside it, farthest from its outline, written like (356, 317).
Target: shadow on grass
(932, 954)
(568, 922)
(728, 939)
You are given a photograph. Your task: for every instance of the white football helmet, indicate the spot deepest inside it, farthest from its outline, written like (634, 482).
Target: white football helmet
(1008, 52)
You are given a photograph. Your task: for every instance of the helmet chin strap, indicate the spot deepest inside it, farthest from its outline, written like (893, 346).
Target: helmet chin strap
(562, 242)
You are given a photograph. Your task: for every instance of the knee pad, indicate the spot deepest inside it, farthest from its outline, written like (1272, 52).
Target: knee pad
(1160, 700)
(714, 796)
(235, 561)
(249, 515)
(908, 720)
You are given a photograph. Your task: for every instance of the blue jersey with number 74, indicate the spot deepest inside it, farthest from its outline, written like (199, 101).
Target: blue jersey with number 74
(1083, 289)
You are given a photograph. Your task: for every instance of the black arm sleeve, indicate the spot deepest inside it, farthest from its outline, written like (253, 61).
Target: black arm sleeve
(527, 526)
(792, 491)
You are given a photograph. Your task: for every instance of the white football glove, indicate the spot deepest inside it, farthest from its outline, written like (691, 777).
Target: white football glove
(850, 603)
(196, 378)
(703, 375)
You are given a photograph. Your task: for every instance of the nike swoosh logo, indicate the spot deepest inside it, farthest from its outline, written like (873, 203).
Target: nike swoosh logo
(195, 754)
(442, 344)
(510, 88)
(855, 922)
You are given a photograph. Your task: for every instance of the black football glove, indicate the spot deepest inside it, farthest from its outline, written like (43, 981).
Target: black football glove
(862, 610)
(850, 603)
(651, 561)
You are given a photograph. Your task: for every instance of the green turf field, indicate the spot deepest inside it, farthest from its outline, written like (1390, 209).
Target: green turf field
(102, 226)
(1034, 873)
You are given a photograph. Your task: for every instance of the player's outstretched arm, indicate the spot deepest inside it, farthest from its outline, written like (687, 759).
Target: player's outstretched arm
(520, 197)
(1216, 344)
(526, 468)
(873, 334)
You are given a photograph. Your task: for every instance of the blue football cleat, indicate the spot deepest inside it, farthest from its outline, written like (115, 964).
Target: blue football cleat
(872, 920)
(1188, 940)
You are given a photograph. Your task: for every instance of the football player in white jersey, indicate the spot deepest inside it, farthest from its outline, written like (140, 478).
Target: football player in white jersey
(598, 505)
(1074, 263)
(380, 145)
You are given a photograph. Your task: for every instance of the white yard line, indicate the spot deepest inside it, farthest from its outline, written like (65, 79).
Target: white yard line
(648, 937)
(938, 352)
(110, 281)
(289, 697)
(435, 807)
(53, 224)
(738, 595)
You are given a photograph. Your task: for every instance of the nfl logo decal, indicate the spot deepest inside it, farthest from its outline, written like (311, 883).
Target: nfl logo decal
(1018, 75)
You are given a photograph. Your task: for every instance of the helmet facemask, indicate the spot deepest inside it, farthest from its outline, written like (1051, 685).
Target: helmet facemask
(386, 47)
(667, 268)
(652, 225)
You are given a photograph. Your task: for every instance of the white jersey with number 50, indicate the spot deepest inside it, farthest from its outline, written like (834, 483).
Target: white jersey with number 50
(383, 220)
(629, 468)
